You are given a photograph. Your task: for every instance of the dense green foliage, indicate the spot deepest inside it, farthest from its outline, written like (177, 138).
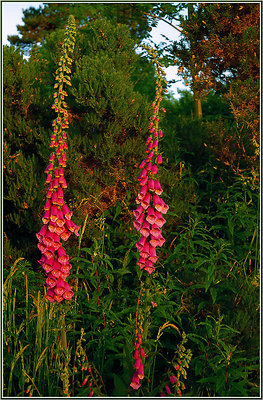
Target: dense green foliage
(201, 305)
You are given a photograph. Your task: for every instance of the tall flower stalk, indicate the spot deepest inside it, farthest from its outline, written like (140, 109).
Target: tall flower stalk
(149, 216)
(57, 217)
(149, 213)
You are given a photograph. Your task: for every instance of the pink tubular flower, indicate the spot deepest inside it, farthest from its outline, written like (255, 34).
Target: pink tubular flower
(66, 211)
(159, 204)
(65, 235)
(168, 390)
(157, 188)
(149, 166)
(46, 217)
(141, 371)
(42, 232)
(159, 159)
(140, 245)
(142, 165)
(142, 352)
(151, 217)
(146, 201)
(172, 379)
(156, 231)
(53, 213)
(50, 295)
(135, 385)
(141, 262)
(137, 363)
(138, 212)
(142, 193)
(142, 175)
(153, 256)
(154, 169)
(144, 181)
(62, 182)
(62, 256)
(137, 225)
(145, 229)
(160, 221)
(151, 184)
(150, 156)
(144, 253)
(85, 380)
(47, 205)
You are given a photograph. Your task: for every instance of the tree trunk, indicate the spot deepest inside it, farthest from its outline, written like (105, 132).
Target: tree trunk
(197, 98)
(198, 106)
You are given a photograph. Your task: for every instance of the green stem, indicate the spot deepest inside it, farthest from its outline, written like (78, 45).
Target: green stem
(63, 333)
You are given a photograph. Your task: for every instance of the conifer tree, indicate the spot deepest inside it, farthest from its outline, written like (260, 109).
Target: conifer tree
(20, 143)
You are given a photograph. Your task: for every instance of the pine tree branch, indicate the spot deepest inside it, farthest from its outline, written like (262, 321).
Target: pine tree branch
(160, 18)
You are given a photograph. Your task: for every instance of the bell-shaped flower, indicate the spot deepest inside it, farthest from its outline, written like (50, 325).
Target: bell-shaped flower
(68, 294)
(145, 229)
(156, 231)
(153, 255)
(144, 253)
(141, 262)
(154, 169)
(62, 182)
(50, 295)
(160, 221)
(54, 213)
(60, 193)
(144, 181)
(138, 211)
(42, 232)
(142, 352)
(146, 201)
(55, 183)
(149, 166)
(65, 235)
(140, 245)
(66, 211)
(60, 218)
(151, 217)
(51, 281)
(62, 256)
(72, 227)
(142, 175)
(150, 156)
(142, 193)
(59, 289)
(168, 390)
(137, 363)
(157, 188)
(159, 159)
(142, 165)
(151, 184)
(46, 217)
(47, 205)
(58, 298)
(141, 371)
(49, 178)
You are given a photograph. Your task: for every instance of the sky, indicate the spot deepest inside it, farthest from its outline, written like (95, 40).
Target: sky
(12, 13)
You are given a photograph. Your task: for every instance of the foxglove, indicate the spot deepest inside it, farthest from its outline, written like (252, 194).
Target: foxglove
(151, 208)
(57, 217)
